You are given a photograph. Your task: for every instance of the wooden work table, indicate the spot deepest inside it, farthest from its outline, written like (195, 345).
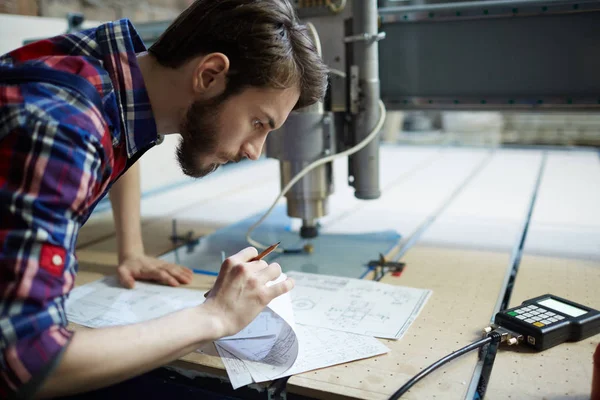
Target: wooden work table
(465, 288)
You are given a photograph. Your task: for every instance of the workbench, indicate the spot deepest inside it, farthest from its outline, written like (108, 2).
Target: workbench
(561, 257)
(463, 253)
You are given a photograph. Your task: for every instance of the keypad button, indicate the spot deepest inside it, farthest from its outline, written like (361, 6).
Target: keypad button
(533, 307)
(528, 315)
(559, 317)
(530, 320)
(545, 322)
(539, 324)
(552, 319)
(521, 317)
(519, 311)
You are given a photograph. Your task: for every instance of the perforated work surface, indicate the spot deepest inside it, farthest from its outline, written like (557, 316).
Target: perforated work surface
(564, 371)
(465, 288)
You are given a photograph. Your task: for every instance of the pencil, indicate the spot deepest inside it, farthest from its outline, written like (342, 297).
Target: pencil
(259, 257)
(265, 252)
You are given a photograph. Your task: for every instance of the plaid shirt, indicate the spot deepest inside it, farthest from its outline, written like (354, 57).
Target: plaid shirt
(59, 156)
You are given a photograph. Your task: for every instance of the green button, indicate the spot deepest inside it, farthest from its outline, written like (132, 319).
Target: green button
(514, 314)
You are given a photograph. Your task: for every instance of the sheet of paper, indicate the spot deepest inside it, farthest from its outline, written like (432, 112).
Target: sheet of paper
(354, 305)
(106, 303)
(320, 348)
(265, 325)
(268, 323)
(275, 353)
(236, 369)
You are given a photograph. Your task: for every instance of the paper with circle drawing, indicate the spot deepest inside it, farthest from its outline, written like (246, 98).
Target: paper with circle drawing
(316, 348)
(266, 324)
(355, 305)
(279, 349)
(319, 348)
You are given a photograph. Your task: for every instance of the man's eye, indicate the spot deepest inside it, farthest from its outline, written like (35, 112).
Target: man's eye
(258, 124)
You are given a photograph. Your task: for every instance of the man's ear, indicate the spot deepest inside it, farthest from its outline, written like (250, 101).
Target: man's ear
(210, 74)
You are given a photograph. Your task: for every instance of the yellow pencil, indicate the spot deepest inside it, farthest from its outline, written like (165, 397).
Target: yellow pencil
(259, 257)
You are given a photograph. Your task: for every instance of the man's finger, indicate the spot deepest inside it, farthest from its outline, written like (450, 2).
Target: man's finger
(280, 288)
(163, 277)
(257, 266)
(270, 273)
(178, 273)
(187, 272)
(126, 277)
(244, 255)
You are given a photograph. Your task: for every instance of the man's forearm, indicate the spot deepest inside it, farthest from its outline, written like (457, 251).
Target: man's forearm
(125, 200)
(102, 357)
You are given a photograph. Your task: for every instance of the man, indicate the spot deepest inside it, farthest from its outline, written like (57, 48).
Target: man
(223, 75)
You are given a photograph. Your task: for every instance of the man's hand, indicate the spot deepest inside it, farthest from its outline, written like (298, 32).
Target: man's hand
(240, 292)
(143, 267)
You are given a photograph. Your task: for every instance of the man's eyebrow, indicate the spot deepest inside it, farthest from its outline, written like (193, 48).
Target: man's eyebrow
(270, 119)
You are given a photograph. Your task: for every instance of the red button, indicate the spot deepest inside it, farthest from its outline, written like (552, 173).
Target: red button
(52, 259)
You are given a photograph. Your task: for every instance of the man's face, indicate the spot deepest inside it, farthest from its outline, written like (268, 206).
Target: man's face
(222, 130)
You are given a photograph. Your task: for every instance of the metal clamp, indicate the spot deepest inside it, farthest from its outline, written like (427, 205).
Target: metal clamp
(188, 239)
(366, 37)
(381, 266)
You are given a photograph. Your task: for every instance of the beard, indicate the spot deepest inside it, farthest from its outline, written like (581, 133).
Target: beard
(199, 137)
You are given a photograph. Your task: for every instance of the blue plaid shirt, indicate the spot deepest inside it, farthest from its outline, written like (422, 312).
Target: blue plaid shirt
(59, 155)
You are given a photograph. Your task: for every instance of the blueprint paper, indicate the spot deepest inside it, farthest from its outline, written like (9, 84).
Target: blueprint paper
(275, 353)
(106, 303)
(269, 323)
(274, 345)
(236, 369)
(354, 305)
(297, 349)
(319, 348)
(269, 339)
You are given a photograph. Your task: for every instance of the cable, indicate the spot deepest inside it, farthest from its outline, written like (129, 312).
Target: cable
(337, 72)
(312, 166)
(491, 337)
(316, 39)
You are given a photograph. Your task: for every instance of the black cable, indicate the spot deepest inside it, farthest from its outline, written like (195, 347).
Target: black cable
(488, 355)
(493, 336)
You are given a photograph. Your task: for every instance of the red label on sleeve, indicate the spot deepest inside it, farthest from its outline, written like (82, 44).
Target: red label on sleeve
(52, 259)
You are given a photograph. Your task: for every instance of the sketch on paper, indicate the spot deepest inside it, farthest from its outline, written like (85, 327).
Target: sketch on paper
(355, 305)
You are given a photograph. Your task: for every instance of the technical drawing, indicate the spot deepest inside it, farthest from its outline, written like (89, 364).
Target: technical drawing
(303, 304)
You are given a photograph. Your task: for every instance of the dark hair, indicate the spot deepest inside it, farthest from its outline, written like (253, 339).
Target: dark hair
(263, 39)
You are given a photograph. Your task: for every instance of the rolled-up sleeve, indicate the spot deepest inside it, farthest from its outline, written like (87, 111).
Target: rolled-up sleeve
(47, 172)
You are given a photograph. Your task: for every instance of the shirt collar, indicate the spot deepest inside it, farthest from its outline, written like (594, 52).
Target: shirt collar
(119, 43)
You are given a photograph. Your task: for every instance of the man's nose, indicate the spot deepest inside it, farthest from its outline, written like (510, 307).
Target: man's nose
(254, 148)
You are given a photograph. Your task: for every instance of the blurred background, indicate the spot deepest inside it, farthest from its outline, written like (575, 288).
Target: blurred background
(26, 20)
